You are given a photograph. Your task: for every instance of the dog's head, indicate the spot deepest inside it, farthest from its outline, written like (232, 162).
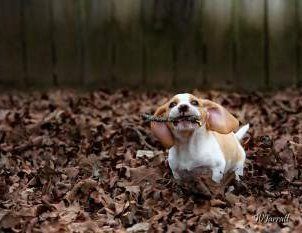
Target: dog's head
(213, 116)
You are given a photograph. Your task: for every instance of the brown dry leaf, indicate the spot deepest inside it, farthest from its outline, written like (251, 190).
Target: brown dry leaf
(9, 220)
(84, 187)
(143, 174)
(217, 203)
(139, 228)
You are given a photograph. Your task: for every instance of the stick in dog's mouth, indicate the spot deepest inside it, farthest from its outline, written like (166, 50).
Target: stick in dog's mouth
(191, 118)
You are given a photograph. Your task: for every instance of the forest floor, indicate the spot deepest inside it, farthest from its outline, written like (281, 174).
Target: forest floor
(71, 162)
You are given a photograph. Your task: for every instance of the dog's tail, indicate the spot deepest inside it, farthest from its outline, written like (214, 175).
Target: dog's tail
(242, 131)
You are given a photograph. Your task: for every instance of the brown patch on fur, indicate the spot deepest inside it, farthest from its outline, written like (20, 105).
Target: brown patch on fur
(229, 147)
(162, 110)
(202, 110)
(227, 122)
(192, 97)
(163, 130)
(174, 99)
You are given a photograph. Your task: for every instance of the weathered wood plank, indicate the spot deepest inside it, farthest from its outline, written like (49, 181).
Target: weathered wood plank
(38, 42)
(282, 42)
(11, 67)
(128, 42)
(251, 73)
(298, 38)
(217, 19)
(98, 43)
(67, 67)
(188, 45)
(158, 48)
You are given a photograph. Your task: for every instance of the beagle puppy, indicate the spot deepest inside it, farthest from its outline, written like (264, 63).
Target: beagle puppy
(208, 142)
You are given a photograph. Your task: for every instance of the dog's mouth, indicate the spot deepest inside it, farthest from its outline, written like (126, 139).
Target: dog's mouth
(186, 121)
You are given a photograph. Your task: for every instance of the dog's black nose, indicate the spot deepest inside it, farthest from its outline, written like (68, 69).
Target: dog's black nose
(183, 108)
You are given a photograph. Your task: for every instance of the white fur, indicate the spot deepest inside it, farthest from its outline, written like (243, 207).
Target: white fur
(193, 110)
(201, 149)
(184, 99)
(242, 131)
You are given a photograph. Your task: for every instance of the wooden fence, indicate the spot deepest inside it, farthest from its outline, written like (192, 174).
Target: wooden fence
(247, 44)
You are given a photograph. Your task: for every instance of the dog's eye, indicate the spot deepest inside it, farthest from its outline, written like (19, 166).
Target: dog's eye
(194, 102)
(172, 104)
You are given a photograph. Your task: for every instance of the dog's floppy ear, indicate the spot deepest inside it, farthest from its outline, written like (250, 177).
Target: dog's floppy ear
(161, 130)
(218, 118)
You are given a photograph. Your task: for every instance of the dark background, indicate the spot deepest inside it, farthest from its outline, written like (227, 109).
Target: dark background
(238, 44)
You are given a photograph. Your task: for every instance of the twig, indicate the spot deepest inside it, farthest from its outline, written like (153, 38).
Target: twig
(149, 118)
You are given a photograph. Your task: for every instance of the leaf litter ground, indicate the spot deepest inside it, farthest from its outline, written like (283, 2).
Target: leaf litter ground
(86, 162)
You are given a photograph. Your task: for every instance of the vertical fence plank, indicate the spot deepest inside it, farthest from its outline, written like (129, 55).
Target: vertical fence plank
(266, 41)
(188, 45)
(67, 64)
(126, 15)
(282, 42)
(199, 45)
(11, 68)
(251, 73)
(81, 38)
(218, 42)
(38, 42)
(158, 49)
(98, 43)
(298, 26)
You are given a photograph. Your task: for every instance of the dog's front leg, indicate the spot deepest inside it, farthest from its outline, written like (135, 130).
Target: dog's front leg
(176, 175)
(217, 173)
